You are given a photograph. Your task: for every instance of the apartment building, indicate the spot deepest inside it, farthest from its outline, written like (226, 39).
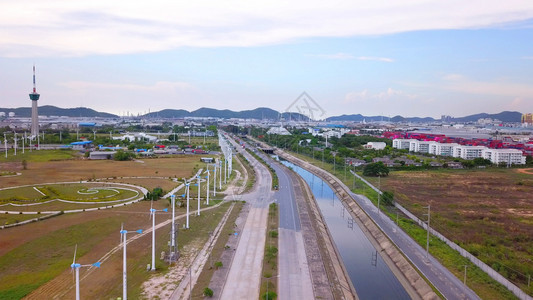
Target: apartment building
(496, 156)
(508, 156)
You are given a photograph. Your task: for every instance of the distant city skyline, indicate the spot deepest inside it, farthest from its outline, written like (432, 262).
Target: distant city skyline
(417, 58)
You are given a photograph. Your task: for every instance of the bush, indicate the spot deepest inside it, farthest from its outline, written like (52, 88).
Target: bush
(155, 194)
(269, 295)
(271, 252)
(208, 292)
(218, 264)
(273, 233)
(122, 155)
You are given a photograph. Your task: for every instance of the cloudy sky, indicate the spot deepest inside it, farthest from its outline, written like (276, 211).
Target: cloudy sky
(417, 58)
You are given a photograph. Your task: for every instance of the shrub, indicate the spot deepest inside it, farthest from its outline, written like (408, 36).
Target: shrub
(273, 233)
(218, 264)
(208, 292)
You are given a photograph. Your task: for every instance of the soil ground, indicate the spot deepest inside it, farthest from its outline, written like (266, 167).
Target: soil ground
(489, 212)
(36, 257)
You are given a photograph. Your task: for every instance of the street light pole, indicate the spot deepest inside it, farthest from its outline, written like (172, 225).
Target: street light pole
(464, 279)
(427, 238)
(379, 193)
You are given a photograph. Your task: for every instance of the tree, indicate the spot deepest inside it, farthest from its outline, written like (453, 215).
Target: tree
(123, 155)
(529, 160)
(376, 169)
(480, 161)
(468, 164)
(155, 194)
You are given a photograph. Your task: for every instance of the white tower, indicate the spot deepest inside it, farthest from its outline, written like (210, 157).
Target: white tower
(34, 114)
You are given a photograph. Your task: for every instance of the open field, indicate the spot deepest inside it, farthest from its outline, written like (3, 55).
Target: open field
(35, 258)
(489, 212)
(82, 192)
(23, 268)
(39, 156)
(178, 166)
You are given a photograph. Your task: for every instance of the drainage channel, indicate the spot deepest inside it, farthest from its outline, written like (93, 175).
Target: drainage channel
(369, 274)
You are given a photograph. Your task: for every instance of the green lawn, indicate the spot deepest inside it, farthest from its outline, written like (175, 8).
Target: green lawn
(39, 155)
(24, 269)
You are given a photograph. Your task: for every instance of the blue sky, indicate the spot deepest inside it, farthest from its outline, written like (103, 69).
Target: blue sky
(418, 58)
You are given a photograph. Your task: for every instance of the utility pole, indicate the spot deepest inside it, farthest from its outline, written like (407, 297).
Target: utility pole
(5, 143)
(379, 189)
(427, 238)
(215, 180)
(207, 188)
(353, 183)
(334, 159)
(345, 168)
(199, 190)
(464, 279)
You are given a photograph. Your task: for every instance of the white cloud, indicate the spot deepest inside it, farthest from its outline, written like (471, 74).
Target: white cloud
(389, 94)
(383, 59)
(158, 86)
(460, 83)
(334, 56)
(341, 55)
(76, 28)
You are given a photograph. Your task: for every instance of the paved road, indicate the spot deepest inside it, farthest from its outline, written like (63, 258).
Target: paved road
(294, 281)
(244, 276)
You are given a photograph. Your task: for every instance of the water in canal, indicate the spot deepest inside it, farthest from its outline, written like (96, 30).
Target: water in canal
(369, 274)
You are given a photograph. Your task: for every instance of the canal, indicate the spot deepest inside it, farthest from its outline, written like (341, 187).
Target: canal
(369, 274)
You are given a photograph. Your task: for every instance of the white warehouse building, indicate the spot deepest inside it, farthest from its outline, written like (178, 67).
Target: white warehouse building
(375, 145)
(496, 156)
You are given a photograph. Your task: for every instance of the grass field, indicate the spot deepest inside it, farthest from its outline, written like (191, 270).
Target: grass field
(35, 258)
(76, 170)
(488, 212)
(39, 156)
(71, 192)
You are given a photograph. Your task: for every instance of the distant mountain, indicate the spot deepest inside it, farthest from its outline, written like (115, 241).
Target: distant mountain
(204, 112)
(412, 119)
(506, 116)
(357, 118)
(48, 110)
(258, 113)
